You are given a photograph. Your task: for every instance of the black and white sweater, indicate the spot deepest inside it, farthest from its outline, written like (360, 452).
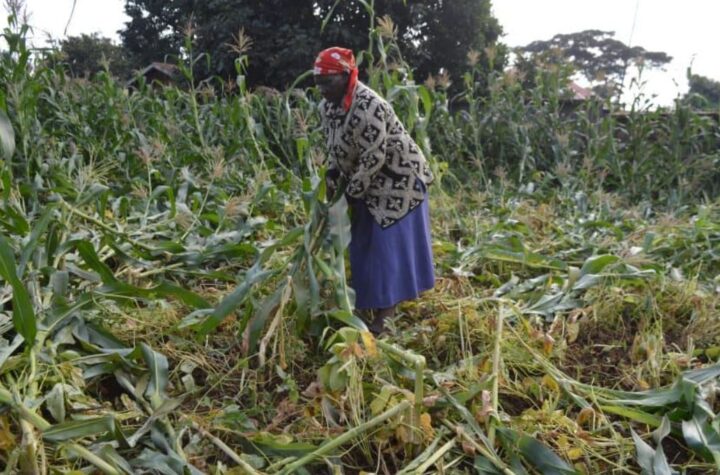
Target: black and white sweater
(369, 146)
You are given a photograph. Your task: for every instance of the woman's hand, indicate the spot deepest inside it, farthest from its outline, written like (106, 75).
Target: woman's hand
(330, 187)
(332, 176)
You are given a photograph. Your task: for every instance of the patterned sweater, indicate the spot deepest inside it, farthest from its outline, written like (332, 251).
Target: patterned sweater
(382, 164)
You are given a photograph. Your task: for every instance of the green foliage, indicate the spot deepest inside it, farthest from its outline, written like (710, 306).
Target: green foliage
(595, 54)
(87, 55)
(155, 31)
(703, 93)
(7, 137)
(433, 35)
(538, 137)
(23, 314)
(286, 35)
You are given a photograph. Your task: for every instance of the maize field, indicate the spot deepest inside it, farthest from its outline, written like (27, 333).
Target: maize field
(175, 295)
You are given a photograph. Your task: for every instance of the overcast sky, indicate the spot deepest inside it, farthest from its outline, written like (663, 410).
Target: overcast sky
(688, 31)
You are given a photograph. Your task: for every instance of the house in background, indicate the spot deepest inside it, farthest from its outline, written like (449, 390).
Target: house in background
(574, 97)
(157, 75)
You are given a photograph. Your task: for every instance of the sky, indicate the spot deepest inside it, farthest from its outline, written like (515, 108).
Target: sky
(688, 31)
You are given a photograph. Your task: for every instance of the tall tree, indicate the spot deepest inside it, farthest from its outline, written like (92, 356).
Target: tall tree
(155, 30)
(286, 34)
(597, 56)
(86, 55)
(433, 34)
(703, 93)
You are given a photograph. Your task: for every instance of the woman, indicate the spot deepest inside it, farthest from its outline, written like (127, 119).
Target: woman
(387, 178)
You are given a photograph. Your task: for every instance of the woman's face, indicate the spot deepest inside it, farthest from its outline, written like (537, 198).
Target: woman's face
(332, 86)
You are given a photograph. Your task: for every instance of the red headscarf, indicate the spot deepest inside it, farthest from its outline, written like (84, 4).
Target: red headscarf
(335, 61)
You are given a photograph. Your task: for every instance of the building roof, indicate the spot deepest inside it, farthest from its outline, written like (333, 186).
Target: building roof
(580, 93)
(167, 69)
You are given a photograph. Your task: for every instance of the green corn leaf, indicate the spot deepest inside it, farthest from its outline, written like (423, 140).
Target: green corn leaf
(110, 455)
(55, 402)
(87, 251)
(426, 100)
(14, 220)
(348, 319)
(484, 467)
(645, 454)
(24, 318)
(60, 282)
(62, 311)
(663, 431)
(301, 294)
(660, 463)
(8, 349)
(702, 437)
(168, 191)
(166, 289)
(634, 415)
(166, 464)
(121, 289)
(651, 461)
(72, 430)
(596, 264)
(38, 230)
(168, 406)
(339, 222)
(7, 137)
(291, 237)
(588, 281)
(228, 304)
(158, 367)
(683, 391)
(328, 17)
(542, 458)
(283, 445)
(261, 317)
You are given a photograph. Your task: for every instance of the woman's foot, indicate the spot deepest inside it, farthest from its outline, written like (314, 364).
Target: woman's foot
(377, 325)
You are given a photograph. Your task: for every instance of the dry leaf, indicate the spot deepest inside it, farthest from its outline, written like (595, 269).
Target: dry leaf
(575, 453)
(487, 409)
(573, 331)
(430, 401)
(369, 343)
(404, 434)
(550, 383)
(7, 439)
(548, 344)
(313, 390)
(426, 426)
(468, 448)
(586, 415)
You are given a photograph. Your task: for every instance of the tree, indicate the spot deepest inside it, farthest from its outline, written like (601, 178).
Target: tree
(597, 56)
(286, 34)
(434, 34)
(155, 30)
(86, 55)
(704, 93)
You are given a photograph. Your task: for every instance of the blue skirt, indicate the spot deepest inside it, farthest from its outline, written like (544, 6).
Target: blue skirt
(390, 265)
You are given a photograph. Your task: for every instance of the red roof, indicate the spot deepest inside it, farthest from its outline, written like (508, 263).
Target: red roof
(580, 93)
